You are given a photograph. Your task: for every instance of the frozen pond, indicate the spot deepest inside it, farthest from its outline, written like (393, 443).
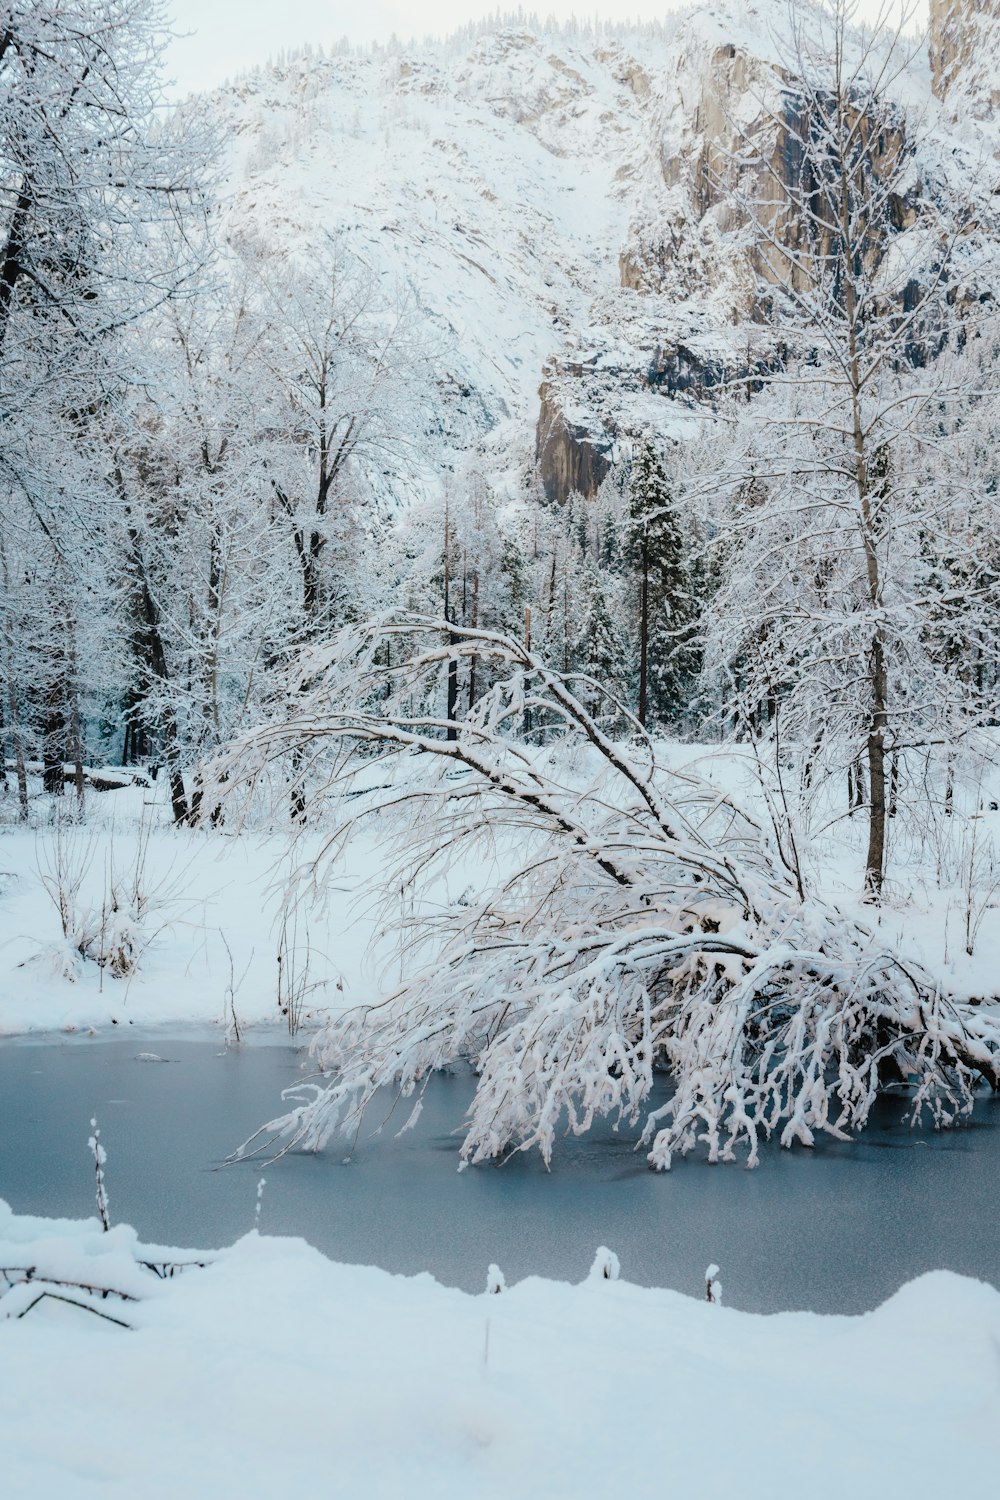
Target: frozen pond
(836, 1229)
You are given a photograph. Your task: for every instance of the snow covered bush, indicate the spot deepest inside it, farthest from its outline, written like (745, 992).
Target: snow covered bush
(638, 921)
(112, 923)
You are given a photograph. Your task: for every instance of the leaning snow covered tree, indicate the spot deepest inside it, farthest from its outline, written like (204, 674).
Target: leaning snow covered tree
(636, 920)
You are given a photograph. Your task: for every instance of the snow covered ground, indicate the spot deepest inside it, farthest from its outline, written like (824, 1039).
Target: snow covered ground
(275, 1371)
(209, 933)
(210, 929)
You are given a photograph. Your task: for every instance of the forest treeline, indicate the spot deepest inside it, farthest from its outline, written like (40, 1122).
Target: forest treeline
(207, 450)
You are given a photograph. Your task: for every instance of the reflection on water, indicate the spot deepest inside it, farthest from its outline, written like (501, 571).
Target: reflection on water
(835, 1229)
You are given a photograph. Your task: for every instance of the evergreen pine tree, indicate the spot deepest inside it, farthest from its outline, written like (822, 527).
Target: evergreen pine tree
(665, 607)
(601, 647)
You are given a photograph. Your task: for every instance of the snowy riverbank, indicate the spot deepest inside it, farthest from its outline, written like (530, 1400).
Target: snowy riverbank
(273, 1370)
(211, 926)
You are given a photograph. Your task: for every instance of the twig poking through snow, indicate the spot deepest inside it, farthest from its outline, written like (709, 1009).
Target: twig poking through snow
(605, 1265)
(100, 1157)
(713, 1286)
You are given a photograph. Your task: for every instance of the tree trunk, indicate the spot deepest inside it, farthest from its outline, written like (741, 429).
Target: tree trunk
(13, 706)
(53, 740)
(17, 745)
(157, 662)
(451, 709)
(527, 647)
(472, 618)
(298, 788)
(644, 632)
(76, 747)
(12, 260)
(875, 859)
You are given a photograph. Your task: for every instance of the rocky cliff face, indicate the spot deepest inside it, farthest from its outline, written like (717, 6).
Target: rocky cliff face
(556, 207)
(571, 456)
(965, 54)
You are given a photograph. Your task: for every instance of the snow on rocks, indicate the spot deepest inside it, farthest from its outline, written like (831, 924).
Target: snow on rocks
(273, 1367)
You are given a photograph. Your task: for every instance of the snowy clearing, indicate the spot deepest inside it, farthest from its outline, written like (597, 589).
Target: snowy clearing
(273, 1367)
(211, 926)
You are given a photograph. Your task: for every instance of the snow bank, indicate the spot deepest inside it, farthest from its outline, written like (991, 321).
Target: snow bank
(273, 1370)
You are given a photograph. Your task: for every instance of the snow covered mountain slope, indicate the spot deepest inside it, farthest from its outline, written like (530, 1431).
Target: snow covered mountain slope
(965, 55)
(493, 183)
(552, 204)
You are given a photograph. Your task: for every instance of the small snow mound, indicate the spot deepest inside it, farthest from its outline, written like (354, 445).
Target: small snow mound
(495, 1282)
(606, 1265)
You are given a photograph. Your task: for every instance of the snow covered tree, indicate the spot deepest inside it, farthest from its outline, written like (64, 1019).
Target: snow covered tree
(572, 578)
(601, 648)
(100, 215)
(665, 610)
(454, 556)
(338, 361)
(639, 920)
(825, 607)
(201, 560)
(86, 175)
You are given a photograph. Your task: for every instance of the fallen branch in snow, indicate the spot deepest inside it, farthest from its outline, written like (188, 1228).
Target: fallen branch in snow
(639, 920)
(165, 1270)
(46, 1283)
(72, 1302)
(99, 779)
(21, 1275)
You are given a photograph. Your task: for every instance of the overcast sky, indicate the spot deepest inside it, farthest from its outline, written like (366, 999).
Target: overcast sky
(229, 36)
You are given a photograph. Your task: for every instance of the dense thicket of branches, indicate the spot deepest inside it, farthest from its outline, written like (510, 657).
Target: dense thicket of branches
(213, 456)
(636, 919)
(854, 581)
(101, 219)
(217, 462)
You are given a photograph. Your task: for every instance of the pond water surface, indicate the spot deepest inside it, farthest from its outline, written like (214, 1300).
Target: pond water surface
(837, 1229)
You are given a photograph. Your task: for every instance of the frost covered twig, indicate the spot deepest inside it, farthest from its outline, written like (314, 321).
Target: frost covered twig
(100, 1157)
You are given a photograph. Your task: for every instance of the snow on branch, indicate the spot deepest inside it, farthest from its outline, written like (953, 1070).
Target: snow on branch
(638, 921)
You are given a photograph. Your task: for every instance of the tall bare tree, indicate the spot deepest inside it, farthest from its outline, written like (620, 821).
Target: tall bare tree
(862, 255)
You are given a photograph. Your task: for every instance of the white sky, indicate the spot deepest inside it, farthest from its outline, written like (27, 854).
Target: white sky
(229, 36)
